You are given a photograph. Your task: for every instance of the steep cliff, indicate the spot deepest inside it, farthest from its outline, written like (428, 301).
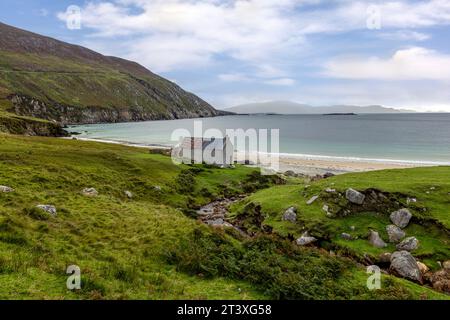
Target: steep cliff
(49, 79)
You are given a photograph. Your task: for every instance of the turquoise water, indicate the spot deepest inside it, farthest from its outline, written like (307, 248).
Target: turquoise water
(407, 137)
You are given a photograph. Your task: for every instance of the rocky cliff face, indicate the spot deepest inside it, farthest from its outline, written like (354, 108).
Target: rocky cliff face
(49, 79)
(69, 115)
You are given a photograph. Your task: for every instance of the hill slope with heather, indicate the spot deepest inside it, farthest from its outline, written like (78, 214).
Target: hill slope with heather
(45, 78)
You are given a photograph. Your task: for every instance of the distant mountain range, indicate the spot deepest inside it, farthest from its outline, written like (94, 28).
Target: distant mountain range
(288, 107)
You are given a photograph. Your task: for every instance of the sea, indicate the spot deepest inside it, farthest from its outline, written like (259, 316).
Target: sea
(410, 138)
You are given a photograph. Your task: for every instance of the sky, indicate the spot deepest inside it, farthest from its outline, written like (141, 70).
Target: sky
(229, 52)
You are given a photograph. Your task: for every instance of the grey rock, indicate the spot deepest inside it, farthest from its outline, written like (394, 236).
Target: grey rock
(6, 189)
(404, 264)
(375, 240)
(409, 244)
(157, 188)
(290, 214)
(129, 194)
(305, 239)
(395, 233)
(329, 190)
(311, 201)
(47, 208)
(90, 192)
(290, 173)
(354, 196)
(346, 236)
(401, 217)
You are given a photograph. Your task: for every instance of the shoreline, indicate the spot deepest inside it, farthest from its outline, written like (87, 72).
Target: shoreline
(306, 163)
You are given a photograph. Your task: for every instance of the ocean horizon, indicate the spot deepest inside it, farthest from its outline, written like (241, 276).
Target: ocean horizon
(415, 138)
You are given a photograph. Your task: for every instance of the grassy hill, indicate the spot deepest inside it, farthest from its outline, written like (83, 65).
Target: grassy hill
(49, 79)
(150, 246)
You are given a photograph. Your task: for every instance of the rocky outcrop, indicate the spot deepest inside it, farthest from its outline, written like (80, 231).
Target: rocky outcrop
(90, 192)
(401, 217)
(47, 208)
(290, 214)
(409, 244)
(395, 234)
(305, 239)
(14, 124)
(354, 196)
(375, 240)
(404, 264)
(6, 189)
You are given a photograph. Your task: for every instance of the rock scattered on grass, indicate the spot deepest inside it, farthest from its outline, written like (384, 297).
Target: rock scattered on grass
(6, 189)
(312, 200)
(90, 192)
(395, 233)
(404, 264)
(401, 217)
(129, 194)
(290, 214)
(354, 196)
(346, 236)
(330, 190)
(47, 208)
(409, 244)
(375, 240)
(305, 239)
(422, 267)
(157, 188)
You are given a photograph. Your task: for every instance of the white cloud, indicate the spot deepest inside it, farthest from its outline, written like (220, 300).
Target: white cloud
(281, 82)
(404, 35)
(167, 35)
(234, 77)
(410, 64)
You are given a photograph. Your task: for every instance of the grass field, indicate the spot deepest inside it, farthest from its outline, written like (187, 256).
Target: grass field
(149, 247)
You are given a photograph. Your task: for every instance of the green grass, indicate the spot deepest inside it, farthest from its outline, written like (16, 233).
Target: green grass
(148, 247)
(431, 227)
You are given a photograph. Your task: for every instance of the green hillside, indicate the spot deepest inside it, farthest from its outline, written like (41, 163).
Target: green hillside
(49, 79)
(151, 246)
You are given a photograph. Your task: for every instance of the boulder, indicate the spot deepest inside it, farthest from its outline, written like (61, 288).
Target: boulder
(401, 217)
(129, 194)
(47, 208)
(90, 192)
(354, 196)
(404, 264)
(290, 214)
(446, 265)
(408, 244)
(6, 189)
(395, 233)
(305, 239)
(346, 236)
(375, 240)
(422, 267)
(311, 201)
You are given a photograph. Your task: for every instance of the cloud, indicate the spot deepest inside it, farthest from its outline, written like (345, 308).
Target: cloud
(167, 35)
(281, 82)
(404, 35)
(234, 77)
(410, 64)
